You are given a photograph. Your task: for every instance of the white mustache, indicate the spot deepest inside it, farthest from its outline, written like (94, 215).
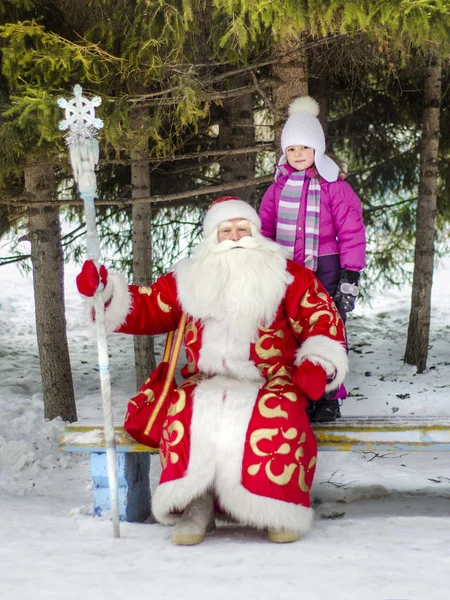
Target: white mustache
(246, 242)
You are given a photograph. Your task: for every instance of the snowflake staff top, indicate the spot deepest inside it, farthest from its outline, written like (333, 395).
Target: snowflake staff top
(80, 116)
(83, 125)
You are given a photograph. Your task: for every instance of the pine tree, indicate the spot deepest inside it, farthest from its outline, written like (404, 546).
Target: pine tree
(419, 321)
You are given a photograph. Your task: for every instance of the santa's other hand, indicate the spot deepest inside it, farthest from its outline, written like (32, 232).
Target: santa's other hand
(311, 379)
(89, 279)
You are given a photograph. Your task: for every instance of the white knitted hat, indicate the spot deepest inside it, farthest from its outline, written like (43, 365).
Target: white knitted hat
(303, 128)
(226, 208)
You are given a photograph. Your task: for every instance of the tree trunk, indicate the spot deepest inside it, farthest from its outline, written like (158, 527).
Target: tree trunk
(291, 80)
(419, 319)
(144, 350)
(237, 131)
(48, 281)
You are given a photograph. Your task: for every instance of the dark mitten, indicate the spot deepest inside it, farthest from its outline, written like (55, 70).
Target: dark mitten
(347, 291)
(311, 379)
(89, 278)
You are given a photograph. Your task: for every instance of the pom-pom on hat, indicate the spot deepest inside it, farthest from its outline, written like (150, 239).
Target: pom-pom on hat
(303, 128)
(226, 208)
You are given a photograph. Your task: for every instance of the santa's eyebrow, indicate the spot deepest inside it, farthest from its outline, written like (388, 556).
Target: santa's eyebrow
(225, 224)
(228, 224)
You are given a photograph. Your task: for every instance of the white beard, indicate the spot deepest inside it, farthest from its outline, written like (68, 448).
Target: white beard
(240, 284)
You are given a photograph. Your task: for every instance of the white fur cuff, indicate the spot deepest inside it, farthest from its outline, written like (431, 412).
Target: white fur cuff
(116, 293)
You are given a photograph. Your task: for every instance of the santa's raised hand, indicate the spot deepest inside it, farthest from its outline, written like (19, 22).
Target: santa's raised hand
(90, 278)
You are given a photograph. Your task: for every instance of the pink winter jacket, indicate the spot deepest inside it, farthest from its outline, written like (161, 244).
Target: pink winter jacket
(341, 229)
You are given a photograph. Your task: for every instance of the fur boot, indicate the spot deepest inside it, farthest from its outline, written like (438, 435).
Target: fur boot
(283, 537)
(196, 521)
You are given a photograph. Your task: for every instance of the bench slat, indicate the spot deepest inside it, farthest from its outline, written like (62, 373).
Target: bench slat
(345, 434)
(82, 437)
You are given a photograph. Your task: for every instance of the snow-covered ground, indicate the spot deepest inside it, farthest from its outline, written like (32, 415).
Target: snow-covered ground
(382, 528)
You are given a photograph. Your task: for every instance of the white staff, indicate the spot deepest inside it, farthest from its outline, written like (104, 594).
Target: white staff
(84, 153)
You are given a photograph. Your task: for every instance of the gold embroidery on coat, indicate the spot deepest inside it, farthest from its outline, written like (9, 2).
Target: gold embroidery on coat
(299, 452)
(178, 427)
(284, 449)
(305, 301)
(163, 459)
(145, 290)
(282, 372)
(194, 380)
(285, 476)
(179, 405)
(257, 436)
(316, 316)
(150, 395)
(302, 475)
(290, 434)
(265, 329)
(272, 370)
(277, 383)
(270, 413)
(162, 305)
(191, 328)
(170, 454)
(253, 469)
(296, 326)
(262, 352)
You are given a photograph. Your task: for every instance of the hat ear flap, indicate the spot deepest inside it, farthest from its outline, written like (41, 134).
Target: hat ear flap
(326, 167)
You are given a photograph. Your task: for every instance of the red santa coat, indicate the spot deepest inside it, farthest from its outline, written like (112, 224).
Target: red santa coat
(237, 424)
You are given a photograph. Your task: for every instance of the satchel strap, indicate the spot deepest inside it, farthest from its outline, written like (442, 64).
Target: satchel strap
(175, 347)
(168, 346)
(175, 351)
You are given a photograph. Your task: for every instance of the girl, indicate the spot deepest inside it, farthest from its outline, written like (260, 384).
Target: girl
(317, 217)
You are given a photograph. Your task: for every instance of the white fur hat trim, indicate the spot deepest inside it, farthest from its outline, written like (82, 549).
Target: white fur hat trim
(226, 210)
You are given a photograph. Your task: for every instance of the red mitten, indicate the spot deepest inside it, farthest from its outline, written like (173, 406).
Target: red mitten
(89, 278)
(311, 379)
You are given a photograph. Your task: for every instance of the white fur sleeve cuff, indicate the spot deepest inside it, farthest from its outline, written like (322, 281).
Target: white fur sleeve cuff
(117, 300)
(329, 354)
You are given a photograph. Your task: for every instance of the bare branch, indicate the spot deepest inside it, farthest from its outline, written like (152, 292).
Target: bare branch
(169, 198)
(192, 155)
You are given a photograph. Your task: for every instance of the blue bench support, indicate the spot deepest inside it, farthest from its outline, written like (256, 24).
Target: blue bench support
(370, 434)
(133, 469)
(133, 484)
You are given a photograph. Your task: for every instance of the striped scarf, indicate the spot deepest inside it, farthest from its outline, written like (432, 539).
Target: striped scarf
(288, 209)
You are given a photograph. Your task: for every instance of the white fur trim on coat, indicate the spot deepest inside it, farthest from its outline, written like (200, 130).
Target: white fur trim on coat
(329, 354)
(225, 351)
(218, 430)
(117, 293)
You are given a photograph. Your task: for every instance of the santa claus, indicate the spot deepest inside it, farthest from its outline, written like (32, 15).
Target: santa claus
(262, 336)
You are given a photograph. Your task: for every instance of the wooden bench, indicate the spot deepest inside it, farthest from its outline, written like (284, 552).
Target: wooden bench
(372, 434)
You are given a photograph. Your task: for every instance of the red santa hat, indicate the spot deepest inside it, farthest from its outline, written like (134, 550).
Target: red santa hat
(303, 128)
(227, 208)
